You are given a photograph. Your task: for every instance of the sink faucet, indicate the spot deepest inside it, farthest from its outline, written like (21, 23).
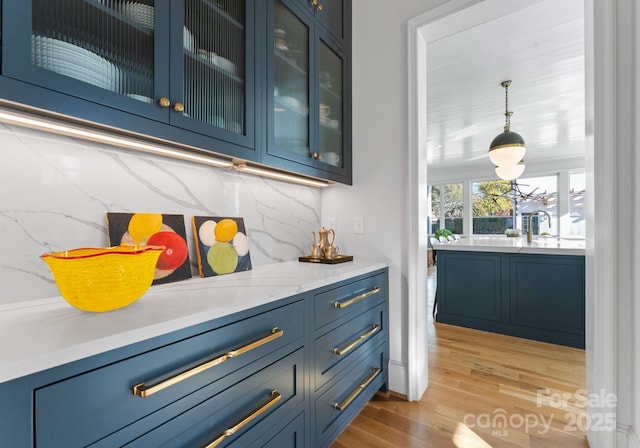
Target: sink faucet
(529, 234)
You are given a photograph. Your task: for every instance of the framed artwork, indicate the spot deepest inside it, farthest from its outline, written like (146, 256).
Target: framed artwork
(221, 245)
(142, 229)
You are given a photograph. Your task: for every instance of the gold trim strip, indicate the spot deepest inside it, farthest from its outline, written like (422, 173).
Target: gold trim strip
(352, 396)
(143, 390)
(275, 396)
(510, 145)
(356, 342)
(375, 290)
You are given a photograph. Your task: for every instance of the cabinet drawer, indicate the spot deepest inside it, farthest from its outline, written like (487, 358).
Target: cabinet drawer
(291, 436)
(349, 300)
(88, 407)
(237, 416)
(334, 350)
(342, 401)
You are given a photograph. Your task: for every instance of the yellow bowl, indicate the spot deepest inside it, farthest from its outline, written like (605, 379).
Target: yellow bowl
(105, 278)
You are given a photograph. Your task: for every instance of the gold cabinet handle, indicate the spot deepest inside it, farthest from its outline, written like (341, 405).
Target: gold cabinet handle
(345, 304)
(143, 390)
(178, 107)
(164, 102)
(316, 155)
(319, 8)
(352, 396)
(274, 397)
(359, 340)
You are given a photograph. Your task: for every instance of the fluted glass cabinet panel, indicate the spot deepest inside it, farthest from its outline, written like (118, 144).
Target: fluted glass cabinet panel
(291, 82)
(105, 43)
(214, 63)
(330, 109)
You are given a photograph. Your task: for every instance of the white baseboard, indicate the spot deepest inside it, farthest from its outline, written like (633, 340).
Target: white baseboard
(398, 378)
(626, 437)
(632, 438)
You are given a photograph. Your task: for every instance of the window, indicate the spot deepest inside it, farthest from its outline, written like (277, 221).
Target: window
(447, 201)
(577, 212)
(453, 207)
(492, 206)
(538, 193)
(434, 214)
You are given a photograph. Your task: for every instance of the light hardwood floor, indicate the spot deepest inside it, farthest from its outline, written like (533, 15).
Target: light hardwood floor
(485, 390)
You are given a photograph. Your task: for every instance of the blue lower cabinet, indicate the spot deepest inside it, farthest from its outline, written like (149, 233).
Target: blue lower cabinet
(104, 401)
(291, 436)
(245, 380)
(335, 349)
(533, 296)
(238, 415)
(339, 405)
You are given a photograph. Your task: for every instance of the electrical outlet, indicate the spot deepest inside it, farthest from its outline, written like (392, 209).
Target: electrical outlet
(358, 225)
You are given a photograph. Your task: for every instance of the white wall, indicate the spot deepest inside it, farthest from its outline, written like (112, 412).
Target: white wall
(627, 203)
(55, 192)
(380, 157)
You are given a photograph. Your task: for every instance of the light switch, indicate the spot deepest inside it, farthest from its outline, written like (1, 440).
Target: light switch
(331, 222)
(358, 225)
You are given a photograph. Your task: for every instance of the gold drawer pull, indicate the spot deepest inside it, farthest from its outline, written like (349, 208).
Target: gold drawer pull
(275, 396)
(352, 396)
(356, 342)
(375, 290)
(143, 390)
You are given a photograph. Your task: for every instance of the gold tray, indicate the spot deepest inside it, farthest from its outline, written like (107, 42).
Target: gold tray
(338, 259)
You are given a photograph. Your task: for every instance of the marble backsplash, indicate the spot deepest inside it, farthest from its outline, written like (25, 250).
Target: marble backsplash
(56, 190)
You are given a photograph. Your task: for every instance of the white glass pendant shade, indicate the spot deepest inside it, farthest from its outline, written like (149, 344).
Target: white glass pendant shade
(510, 172)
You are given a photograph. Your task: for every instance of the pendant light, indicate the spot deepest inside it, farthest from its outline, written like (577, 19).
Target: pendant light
(510, 172)
(507, 148)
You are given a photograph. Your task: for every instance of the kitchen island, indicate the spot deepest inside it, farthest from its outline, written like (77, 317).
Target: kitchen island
(506, 285)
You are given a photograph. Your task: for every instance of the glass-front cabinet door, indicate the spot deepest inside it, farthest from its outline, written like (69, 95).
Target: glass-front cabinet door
(330, 109)
(289, 75)
(101, 50)
(189, 63)
(212, 80)
(306, 108)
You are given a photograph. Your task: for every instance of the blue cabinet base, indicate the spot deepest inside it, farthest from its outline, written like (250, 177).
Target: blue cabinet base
(539, 297)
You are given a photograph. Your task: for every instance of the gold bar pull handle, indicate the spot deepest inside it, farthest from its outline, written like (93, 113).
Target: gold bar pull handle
(363, 337)
(147, 388)
(353, 395)
(274, 397)
(345, 304)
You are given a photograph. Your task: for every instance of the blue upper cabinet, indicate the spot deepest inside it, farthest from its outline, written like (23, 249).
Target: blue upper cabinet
(308, 95)
(189, 64)
(265, 81)
(333, 15)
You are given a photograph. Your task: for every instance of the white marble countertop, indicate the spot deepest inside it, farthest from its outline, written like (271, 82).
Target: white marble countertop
(502, 243)
(41, 334)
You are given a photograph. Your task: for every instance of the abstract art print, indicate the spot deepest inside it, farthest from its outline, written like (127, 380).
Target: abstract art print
(142, 229)
(221, 245)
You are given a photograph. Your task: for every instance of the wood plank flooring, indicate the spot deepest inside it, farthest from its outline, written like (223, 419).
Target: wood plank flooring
(485, 391)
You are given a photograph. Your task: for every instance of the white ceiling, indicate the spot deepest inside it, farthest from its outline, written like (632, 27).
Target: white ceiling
(540, 47)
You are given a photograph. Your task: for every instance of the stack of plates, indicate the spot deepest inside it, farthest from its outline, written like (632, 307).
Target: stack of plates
(74, 61)
(220, 62)
(224, 64)
(139, 13)
(188, 41)
(144, 99)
